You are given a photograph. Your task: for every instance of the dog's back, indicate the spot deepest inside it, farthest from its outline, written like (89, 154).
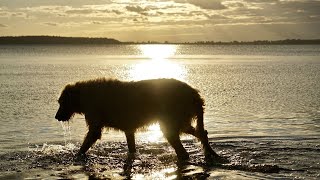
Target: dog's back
(132, 105)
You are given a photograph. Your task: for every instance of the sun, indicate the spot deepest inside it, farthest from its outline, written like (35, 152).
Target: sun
(158, 63)
(158, 52)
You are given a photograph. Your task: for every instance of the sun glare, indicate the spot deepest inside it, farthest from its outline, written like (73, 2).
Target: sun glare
(158, 52)
(154, 127)
(158, 64)
(154, 133)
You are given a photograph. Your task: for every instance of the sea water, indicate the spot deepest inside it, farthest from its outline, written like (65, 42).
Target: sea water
(262, 111)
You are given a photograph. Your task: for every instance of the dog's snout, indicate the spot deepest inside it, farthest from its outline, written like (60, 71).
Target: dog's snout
(58, 115)
(63, 115)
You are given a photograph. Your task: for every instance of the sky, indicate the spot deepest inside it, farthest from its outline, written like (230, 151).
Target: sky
(163, 20)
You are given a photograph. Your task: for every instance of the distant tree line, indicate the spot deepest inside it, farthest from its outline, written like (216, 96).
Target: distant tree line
(87, 40)
(264, 42)
(55, 40)
(258, 42)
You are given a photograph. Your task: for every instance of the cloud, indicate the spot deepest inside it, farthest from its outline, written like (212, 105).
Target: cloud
(116, 12)
(97, 22)
(50, 24)
(137, 9)
(309, 6)
(3, 26)
(175, 12)
(46, 9)
(118, 16)
(208, 4)
(205, 4)
(13, 14)
(36, 3)
(80, 11)
(69, 13)
(271, 12)
(5, 14)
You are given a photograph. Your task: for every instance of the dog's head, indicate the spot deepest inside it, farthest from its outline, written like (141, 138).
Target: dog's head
(69, 103)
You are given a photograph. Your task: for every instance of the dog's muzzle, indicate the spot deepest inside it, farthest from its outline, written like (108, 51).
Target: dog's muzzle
(60, 116)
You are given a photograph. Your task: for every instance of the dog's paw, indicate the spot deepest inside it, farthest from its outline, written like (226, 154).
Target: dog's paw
(183, 156)
(80, 156)
(216, 159)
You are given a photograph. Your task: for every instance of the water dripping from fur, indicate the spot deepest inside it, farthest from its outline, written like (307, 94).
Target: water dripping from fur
(66, 132)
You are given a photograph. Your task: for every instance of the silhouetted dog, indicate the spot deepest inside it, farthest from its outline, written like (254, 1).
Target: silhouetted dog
(128, 106)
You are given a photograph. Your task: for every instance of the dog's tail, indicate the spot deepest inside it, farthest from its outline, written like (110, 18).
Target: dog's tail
(199, 103)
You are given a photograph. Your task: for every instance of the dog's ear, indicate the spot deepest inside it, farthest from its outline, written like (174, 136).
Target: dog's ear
(74, 93)
(71, 94)
(74, 97)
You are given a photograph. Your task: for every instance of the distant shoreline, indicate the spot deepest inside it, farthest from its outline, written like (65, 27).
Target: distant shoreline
(58, 40)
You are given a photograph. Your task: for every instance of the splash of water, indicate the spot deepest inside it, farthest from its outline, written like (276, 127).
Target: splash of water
(153, 161)
(52, 149)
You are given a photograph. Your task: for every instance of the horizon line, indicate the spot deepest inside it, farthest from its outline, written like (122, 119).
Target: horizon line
(97, 40)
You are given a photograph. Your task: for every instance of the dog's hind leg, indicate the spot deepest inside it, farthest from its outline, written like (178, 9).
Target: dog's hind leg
(209, 153)
(202, 136)
(131, 141)
(92, 136)
(172, 135)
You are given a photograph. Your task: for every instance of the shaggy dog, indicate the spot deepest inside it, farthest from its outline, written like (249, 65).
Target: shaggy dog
(128, 106)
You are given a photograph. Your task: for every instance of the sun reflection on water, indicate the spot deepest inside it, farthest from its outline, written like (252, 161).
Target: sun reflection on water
(154, 134)
(158, 64)
(167, 173)
(158, 52)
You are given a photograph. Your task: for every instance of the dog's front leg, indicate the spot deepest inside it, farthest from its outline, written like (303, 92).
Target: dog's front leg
(131, 141)
(91, 138)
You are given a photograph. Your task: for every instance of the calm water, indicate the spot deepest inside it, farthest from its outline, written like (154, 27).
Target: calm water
(262, 111)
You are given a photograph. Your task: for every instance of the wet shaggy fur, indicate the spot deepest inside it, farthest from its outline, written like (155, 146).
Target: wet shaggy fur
(128, 106)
